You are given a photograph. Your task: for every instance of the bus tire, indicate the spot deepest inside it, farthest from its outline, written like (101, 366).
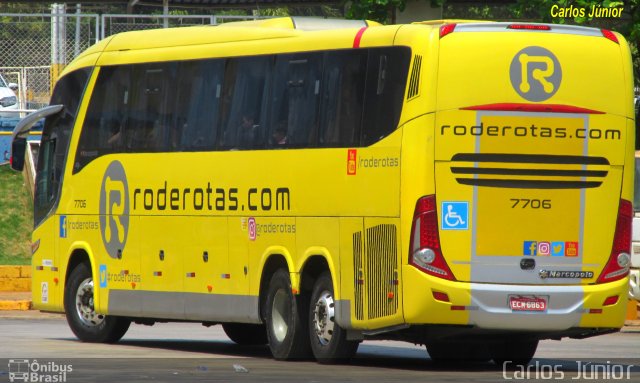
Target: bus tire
(85, 323)
(286, 319)
(513, 352)
(328, 340)
(454, 352)
(246, 334)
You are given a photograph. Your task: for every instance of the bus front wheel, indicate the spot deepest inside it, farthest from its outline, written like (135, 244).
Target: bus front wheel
(286, 321)
(328, 340)
(84, 321)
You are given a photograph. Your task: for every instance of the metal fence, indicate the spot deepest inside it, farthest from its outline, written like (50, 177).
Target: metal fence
(112, 24)
(33, 85)
(35, 47)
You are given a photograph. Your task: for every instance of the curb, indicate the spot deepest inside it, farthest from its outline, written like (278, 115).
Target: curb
(15, 288)
(22, 305)
(15, 278)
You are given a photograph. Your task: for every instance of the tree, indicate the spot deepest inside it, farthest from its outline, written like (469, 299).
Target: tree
(378, 10)
(383, 11)
(628, 24)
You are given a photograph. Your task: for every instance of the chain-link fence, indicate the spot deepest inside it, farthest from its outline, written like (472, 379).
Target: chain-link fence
(35, 47)
(112, 24)
(33, 85)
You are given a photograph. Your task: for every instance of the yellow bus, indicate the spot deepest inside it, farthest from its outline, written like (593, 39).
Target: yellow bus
(310, 184)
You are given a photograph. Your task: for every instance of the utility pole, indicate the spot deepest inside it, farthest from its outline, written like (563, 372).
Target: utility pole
(165, 12)
(58, 41)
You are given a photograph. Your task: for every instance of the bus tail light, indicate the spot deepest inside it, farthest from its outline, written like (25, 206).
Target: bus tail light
(426, 253)
(620, 260)
(610, 35)
(529, 27)
(446, 29)
(610, 301)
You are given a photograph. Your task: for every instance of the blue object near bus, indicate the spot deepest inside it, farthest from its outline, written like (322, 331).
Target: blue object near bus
(6, 130)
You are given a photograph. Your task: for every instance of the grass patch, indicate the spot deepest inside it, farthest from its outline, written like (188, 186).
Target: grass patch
(16, 218)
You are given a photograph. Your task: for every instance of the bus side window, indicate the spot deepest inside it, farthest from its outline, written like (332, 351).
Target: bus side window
(149, 118)
(342, 98)
(197, 105)
(103, 129)
(295, 100)
(387, 71)
(245, 87)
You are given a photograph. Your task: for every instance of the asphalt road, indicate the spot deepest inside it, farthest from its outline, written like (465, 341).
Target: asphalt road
(46, 349)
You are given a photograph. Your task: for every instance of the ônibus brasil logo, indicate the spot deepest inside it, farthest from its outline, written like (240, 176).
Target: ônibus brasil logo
(114, 209)
(535, 73)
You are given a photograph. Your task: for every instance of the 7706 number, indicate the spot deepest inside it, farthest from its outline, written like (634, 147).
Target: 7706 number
(531, 203)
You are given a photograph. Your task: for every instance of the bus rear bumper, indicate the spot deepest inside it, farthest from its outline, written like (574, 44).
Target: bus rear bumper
(486, 306)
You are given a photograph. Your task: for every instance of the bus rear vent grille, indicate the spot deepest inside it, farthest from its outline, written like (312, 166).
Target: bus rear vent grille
(414, 81)
(359, 275)
(529, 171)
(382, 271)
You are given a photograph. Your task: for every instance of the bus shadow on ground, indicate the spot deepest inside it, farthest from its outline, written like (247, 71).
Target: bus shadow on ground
(384, 358)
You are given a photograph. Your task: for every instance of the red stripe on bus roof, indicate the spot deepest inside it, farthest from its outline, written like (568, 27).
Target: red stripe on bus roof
(356, 40)
(540, 108)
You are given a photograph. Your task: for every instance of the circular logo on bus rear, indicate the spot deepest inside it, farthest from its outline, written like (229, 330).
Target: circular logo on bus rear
(535, 73)
(114, 209)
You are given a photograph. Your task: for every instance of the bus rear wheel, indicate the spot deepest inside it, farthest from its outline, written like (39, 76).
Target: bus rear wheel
(286, 319)
(328, 340)
(246, 334)
(513, 352)
(84, 321)
(453, 352)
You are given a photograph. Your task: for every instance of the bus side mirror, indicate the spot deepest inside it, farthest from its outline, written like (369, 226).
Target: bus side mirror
(18, 150)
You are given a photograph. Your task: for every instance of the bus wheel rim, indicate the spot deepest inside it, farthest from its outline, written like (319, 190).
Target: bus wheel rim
(279, 313)
(85, 305)
(324, 318)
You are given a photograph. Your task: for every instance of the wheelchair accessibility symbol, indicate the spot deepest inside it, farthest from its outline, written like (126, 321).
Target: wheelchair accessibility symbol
(455, 215)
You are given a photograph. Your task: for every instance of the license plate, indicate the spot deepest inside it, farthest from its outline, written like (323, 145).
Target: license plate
(527, 303)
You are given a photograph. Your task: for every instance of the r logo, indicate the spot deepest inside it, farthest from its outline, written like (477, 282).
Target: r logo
(252, 229)
(114, 209)
(535, 73)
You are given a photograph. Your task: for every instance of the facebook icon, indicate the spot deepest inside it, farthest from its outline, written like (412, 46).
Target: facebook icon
(63, 226)
(530, 248)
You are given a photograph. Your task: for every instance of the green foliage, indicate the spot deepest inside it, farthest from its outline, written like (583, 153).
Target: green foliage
(16, 211)
(628, 24)
(378, 10)
(273, 12)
